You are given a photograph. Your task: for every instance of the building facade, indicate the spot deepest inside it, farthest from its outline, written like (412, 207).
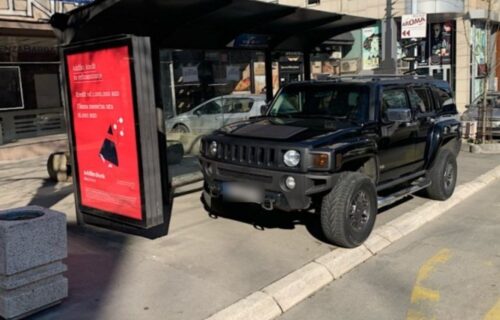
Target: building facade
(30, 88)
(455, 49)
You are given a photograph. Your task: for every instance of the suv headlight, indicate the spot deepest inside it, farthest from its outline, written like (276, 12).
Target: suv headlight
(291, 158)
(212, 150)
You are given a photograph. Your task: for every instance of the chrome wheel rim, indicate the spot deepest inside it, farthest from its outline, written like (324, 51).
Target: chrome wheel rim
(359, 212)
(449, 176)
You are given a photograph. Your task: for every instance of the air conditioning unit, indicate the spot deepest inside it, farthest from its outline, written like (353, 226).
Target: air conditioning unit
(349, 66)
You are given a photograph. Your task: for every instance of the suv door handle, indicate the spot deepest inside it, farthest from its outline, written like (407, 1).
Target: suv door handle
(410, 124)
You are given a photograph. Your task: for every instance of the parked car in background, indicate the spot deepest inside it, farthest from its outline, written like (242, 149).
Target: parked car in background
(216, 113)
(492, 101)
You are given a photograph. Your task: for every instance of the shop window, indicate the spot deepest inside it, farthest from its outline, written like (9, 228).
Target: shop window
(47, 90)
(11, 93)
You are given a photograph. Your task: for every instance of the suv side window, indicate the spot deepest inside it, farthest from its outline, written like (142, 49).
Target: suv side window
(424, 103)
(394, 98)
(443, 97)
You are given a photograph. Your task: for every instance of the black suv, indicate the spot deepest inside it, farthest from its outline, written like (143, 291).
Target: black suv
(344, 147)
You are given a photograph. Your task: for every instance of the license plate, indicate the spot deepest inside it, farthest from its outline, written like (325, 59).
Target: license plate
(241, 192)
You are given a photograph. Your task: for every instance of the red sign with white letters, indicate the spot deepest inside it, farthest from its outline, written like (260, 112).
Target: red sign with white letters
(104, 127)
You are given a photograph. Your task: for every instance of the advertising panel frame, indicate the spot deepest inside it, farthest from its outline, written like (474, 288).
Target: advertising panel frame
(154, 183)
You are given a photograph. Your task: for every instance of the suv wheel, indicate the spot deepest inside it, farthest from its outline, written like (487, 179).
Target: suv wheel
(443, 176)
(348, 212)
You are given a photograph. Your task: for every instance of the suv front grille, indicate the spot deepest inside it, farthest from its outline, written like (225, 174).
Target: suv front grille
(250, 153)
(259, 156)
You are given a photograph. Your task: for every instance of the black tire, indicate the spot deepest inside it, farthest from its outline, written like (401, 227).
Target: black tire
(180, 128)
(443, 176)
(341, 226)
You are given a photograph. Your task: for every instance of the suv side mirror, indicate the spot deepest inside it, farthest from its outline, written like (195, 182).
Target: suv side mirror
(263, 109)
(449, 109)
(398, 115)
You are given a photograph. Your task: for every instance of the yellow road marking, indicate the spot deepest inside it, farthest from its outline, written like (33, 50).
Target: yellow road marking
(420, 293)
(494, 313)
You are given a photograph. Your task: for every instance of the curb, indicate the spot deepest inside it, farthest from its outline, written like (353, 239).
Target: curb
(281, 295)
(493, 148)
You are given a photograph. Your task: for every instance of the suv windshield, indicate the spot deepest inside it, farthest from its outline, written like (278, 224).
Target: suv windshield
(339, 101)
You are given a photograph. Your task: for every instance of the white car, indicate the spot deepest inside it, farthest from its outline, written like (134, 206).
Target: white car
(216, 113)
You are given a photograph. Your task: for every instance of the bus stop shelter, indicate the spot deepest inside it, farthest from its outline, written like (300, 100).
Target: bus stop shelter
(143, 27)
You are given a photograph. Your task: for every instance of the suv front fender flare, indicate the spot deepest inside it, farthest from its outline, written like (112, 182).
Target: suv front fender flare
(355, 154)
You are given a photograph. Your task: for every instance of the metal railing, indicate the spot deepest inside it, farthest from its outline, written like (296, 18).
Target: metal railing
(22, 124)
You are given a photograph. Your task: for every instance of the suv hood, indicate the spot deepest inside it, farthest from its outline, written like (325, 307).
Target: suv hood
(290, 129)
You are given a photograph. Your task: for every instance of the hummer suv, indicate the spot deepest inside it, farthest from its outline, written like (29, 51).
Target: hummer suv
(344, 147)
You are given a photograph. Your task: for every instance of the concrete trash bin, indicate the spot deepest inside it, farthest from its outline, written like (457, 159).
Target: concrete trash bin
(32, 246)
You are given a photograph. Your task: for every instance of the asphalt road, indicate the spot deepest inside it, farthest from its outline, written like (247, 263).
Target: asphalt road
(449, 269)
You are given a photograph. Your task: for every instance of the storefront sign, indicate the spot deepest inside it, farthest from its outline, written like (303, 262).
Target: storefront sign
(250, 41)
(371, 48)
(414, 26)
(104, 129)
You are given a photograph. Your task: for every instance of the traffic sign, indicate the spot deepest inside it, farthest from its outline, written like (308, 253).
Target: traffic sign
(414, 26)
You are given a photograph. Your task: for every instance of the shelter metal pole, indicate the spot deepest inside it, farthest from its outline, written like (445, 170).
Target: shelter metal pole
(307, 65)
(269, 75)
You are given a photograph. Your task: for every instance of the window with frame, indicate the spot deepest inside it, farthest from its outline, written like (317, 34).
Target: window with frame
(443, 96)
(421, 99)
(238, 105)
(394, 98)
(212, 107)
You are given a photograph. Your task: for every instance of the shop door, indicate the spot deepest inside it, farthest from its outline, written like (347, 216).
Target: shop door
(441, 73)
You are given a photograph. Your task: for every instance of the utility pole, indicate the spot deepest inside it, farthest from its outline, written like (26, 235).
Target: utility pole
(483, 116)
(388, 64)
(415, 49)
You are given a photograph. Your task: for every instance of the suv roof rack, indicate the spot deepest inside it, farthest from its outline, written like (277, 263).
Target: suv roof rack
(378, 77)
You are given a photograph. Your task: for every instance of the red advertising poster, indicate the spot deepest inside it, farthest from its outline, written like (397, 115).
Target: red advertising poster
(104, 130)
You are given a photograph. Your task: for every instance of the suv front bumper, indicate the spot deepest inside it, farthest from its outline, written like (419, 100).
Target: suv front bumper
(271, 182)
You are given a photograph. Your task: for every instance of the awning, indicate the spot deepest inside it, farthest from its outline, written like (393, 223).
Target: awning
(206, 24)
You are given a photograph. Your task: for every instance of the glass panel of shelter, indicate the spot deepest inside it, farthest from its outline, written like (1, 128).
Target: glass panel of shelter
(202, 91)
